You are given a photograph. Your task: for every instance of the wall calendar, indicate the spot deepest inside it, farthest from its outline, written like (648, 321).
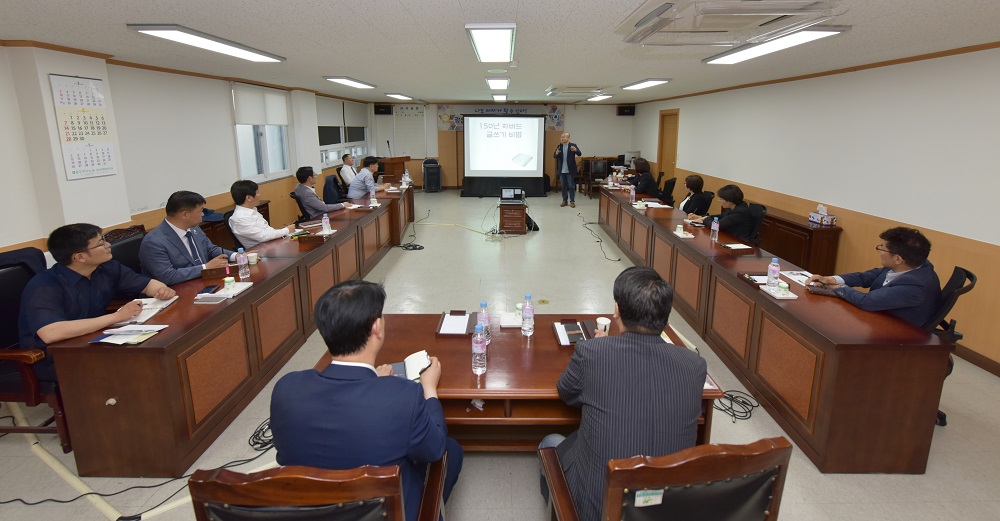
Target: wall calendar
(85, 128)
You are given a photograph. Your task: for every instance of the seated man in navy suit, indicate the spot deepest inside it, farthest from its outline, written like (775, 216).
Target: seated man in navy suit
(352, 414)
(177, 249)
(906, 284)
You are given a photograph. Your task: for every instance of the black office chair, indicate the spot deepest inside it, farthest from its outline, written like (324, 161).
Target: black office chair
(343, 183)
(758, 211)
(961, 282)
(125, 244)
(667, 192)
(18, 382)
(302, 209)
(332, 192)
(225, 220)
(621, 160)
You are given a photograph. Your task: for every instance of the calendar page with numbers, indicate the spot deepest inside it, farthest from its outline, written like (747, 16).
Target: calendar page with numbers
(85, 129)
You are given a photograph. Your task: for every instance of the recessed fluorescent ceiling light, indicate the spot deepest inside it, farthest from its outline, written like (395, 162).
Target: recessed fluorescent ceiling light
(493, 42)
(499, 97)
(498, 83)
(650, 82)
(181, 34)
(747, 52)
(400, 96)
(599, 97)
(350, 82)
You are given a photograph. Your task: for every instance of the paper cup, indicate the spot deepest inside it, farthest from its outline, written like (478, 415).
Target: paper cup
(604, 324)
(252, 257)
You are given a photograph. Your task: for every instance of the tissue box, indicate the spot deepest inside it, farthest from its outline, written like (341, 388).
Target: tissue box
(822, 219)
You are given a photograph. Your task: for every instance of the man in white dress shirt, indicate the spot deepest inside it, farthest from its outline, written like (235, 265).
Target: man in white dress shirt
(248, 225)
(347, 172)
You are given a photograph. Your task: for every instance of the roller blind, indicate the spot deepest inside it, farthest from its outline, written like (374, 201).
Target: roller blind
(329, 112)
(259, 105)
(355, 114)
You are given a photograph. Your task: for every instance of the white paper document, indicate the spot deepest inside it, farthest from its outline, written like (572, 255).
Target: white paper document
(658, 205)
(454, 324)
(737, 246)
(150, 307)
(797, 276)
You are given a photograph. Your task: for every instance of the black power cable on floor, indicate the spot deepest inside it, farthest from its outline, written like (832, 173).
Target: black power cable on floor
(737, 404)
(411, 246)
(599, 240)
(260, 440)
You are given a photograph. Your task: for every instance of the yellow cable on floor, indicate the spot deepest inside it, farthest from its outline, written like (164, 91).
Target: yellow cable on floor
(71, 479)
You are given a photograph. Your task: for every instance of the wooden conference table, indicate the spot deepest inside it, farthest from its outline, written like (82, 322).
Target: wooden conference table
(858, 391)
(150, 410)
(519, 386)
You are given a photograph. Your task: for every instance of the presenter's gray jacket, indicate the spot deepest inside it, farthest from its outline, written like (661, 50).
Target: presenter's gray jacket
(639, 396)
(164, 256)
(571, 157)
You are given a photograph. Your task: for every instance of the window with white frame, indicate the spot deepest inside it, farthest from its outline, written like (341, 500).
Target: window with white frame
(261, 116)
(342, 129)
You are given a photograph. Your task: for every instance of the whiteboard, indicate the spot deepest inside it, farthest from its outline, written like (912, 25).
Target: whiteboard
(409, 130)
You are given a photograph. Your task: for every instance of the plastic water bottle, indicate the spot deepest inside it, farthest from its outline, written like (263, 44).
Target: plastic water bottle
(478, 351)
(773, 272)
(715, 230)
(631, 194)
(483, 319)
(371, 198)
(244, 264)
(610, 180)
(528, 316)
(326, 223)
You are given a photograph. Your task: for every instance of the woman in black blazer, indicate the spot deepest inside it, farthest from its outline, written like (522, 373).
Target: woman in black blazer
(643, 180)
(736, 218)
(696, 202)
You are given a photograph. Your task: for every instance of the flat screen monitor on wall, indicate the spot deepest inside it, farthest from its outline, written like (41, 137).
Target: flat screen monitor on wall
(504, 146)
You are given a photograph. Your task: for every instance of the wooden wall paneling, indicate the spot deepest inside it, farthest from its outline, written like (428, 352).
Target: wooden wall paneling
(456, 178)
(347, 257)
(448, 154)
(662, 261)
(735, 333)
(276, 319)
(549, 165)
(974, 312)
(207, 386)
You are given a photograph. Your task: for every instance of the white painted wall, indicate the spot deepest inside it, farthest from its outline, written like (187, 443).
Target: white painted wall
(15, 176)
(177, 133)
(599, 130)
(914, 142)
(100, 200)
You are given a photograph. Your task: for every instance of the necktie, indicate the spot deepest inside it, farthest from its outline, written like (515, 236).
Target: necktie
(194, 249)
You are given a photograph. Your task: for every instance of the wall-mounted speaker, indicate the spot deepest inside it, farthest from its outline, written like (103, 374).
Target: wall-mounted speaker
(383, 109)
(623, 110)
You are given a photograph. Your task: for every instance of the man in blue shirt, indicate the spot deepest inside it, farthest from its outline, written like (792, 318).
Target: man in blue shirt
(71, 298)
(906, 284)
(364, 183)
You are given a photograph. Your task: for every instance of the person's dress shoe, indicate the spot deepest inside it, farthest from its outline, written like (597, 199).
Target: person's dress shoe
(563, 204)
(572, 204)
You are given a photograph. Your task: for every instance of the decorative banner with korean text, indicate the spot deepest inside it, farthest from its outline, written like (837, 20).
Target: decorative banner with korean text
(450, 116)
(84, 126)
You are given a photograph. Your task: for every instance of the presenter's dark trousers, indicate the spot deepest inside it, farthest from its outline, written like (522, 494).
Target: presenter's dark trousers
(568, 182)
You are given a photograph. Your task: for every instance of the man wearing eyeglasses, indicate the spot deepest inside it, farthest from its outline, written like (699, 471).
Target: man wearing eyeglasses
(906, 284)
(71, 298)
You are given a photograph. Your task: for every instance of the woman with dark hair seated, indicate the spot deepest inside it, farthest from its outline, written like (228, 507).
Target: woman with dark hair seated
(643, 180)
(696, 202)
(735, 218)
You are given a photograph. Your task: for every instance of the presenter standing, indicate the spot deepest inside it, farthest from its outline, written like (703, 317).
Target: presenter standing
(565, 155)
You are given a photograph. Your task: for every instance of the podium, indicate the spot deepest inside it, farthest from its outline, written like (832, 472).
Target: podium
(393, 166)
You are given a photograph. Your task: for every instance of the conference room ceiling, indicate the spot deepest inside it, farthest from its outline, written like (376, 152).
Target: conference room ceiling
(420, 47)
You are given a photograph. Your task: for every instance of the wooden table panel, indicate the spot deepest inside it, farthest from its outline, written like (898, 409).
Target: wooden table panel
(209, 386)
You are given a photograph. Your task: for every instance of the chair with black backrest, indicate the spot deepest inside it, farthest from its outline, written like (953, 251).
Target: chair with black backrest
(332, 189)
(598, 171)
(961, 282)
(621, 160)
(343, 183)
(125, 244)
(659, 178)
(308, 494)
(717, 482)
(302, 209)
(758, 211)
(225, 220)
(667, 192)
(18, 382)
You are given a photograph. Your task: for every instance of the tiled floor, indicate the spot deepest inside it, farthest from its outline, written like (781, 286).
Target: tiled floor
(565, 265)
